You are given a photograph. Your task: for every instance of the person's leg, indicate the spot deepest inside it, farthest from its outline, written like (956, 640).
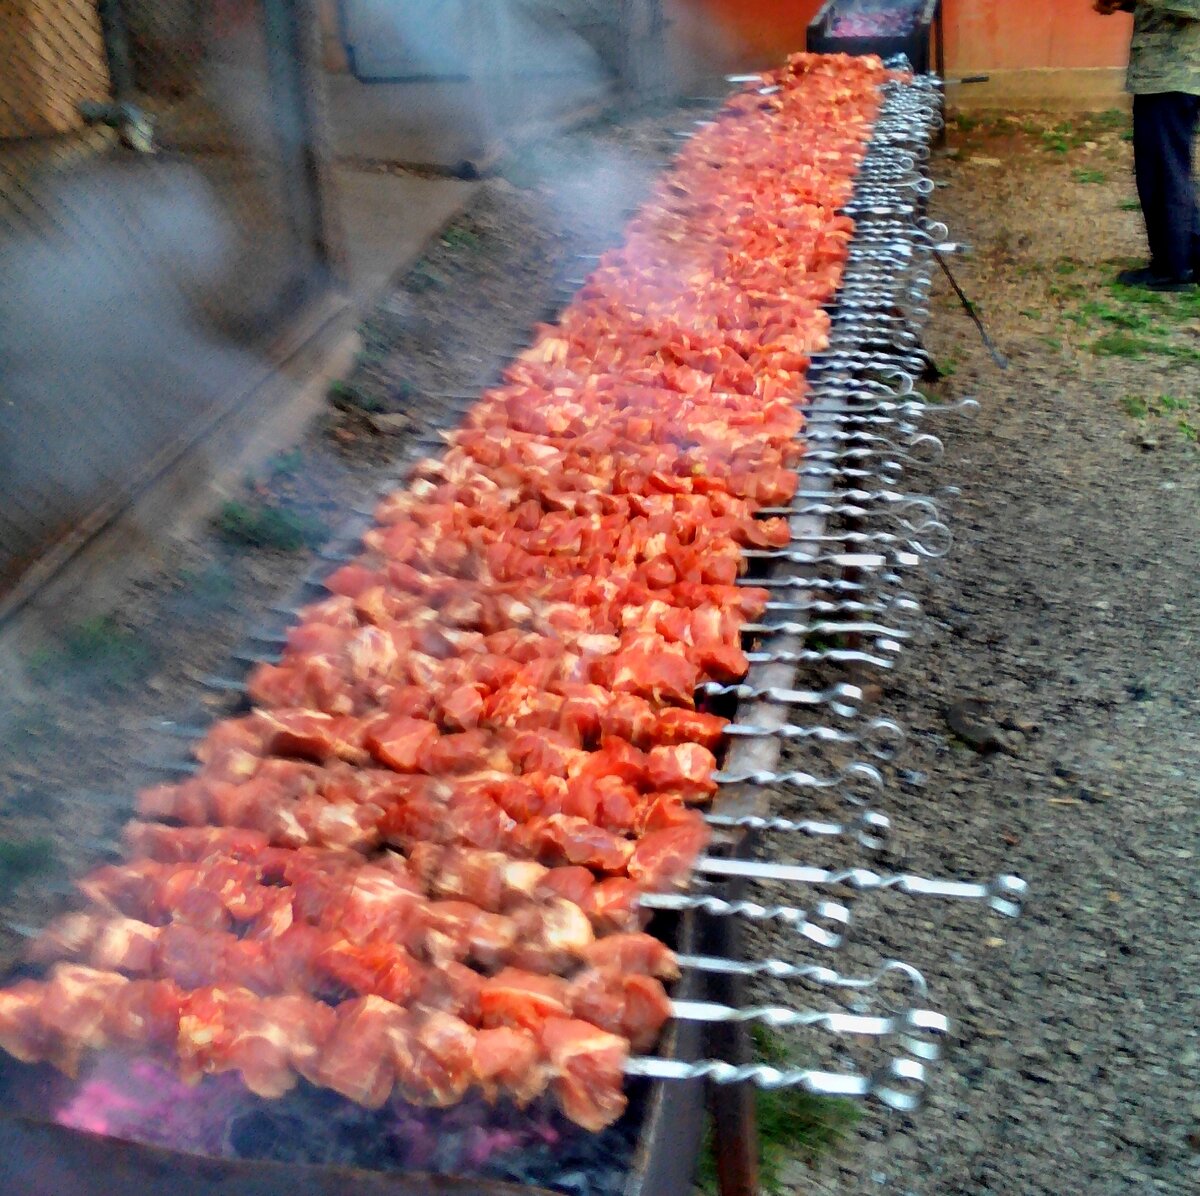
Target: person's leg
(1148, 173)
(1177, 129)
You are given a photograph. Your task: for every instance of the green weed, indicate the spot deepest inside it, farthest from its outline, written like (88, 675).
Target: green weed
(1134, 321)
(22, 858)
(211, 585)
(422, 278)
(97, 651)
(285, 465)
(263, 526)
(792, 1124)
(1163, 407)
(1030, 313)
(347, 396)
(1130, 205)
(1121, 344)
(1089, 176)
(460, 238)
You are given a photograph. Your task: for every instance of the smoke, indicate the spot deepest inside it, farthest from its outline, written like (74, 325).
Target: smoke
(106, 354)
(502, 65)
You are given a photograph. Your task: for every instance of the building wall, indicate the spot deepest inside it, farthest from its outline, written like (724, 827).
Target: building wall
(981, 35)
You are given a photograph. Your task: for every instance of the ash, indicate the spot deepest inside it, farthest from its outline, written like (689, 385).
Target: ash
(218, 1117)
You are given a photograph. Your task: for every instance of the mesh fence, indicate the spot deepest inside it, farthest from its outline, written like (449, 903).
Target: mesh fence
(161, 222)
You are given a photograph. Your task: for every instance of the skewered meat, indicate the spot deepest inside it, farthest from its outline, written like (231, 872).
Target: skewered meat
(417, 864)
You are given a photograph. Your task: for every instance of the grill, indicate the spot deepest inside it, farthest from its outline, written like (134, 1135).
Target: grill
(838, 612)
(914, 28)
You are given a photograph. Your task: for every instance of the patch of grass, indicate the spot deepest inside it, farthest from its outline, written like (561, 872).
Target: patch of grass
(1167, 407)
(1089, 176)
(1052, 342)
(346, 395)
(1110, 118)
(211, 585)
(1121, 344)
(461, 238)
(1131, 320)
(97, 651)
(792, 1124)
(1130, 205)
(371, 356)
(422, 278)
(285, 465)
(22, 858)
(1137, 295)
(263, 526)
(1030, 313)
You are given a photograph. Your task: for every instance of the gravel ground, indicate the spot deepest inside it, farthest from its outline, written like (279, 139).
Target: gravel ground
(1068, 606)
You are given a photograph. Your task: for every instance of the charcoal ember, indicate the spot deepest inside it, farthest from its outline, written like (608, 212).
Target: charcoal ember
(260, 1134)
(536, 1146)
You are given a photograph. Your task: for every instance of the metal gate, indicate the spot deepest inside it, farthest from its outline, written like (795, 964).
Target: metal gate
(163, 221)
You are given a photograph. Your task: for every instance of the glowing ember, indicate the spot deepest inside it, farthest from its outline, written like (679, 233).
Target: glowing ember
(883, 22)
(140, 1102)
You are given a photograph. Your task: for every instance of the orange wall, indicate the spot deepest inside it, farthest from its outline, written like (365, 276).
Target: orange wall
(980, 34)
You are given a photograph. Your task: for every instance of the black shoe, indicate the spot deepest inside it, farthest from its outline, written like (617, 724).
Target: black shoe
(1150, 279)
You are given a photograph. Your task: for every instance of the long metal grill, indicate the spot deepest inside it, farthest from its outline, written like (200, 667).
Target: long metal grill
(855, 533)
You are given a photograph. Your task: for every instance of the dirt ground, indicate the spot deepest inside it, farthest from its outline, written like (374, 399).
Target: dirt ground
(1069, 605)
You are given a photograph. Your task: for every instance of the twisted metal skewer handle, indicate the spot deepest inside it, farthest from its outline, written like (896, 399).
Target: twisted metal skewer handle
(856, 772)
(1005, 894)
(872, 830)
(881, 736)
(900, 1085)
(781, 1017)
(841, 699)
